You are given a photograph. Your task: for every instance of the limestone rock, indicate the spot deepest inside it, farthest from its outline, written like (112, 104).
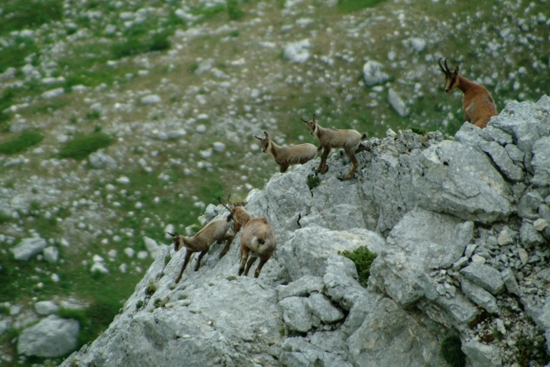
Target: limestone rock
(28, 247)
(51, 337)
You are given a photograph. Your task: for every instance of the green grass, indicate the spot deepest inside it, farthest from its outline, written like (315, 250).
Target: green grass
(83, 145)
(349, 6)
(451, 351)
(363, 259)
(27, 14)
(23, 142)
(234, 10)
(313, 181)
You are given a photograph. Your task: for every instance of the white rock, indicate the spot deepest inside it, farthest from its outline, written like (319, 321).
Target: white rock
(129, 251)
(478, 259)
(297, 51)
(98, 266)
(219, 147)
(45, 308)
(397, 103)
(373, 74)
(152, 246)
(97, 259)
(28, 247)
(540, 224)
(53, 93)
(417, 44)
(123, 180)
(51, 337)
(201, 129)
(150, 99)
(142, 255)
(51, 254)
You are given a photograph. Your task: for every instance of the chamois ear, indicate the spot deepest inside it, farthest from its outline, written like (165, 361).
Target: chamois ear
(172, 234)
(456, 70)
(313, 117)
(266, 136)
(257, 137)
(304, 120)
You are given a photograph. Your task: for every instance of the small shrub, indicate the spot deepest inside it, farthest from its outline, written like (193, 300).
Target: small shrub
(363, 259)
(234, 10)
(313, 181)
(139, 304)
(160, 42)
(451, 351)
(93, 115)
(151, 289)
(282, 331)
(231, 278)
(26, 140)
(159, 303)
(419, 130)
(82, 146)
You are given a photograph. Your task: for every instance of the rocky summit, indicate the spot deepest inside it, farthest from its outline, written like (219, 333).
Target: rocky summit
(460, 229)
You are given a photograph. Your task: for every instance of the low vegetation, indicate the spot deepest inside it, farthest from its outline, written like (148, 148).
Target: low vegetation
(23, 142)
(81, 146)
(451, 351)
(362, 258)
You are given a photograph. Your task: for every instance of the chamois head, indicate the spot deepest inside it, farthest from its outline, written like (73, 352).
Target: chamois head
(311, 125)
(177, 243)
(451, 77)
(264, 142)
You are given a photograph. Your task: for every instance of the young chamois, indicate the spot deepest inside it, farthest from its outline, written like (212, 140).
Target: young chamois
(477, 102)
(350, 140)
(215, 231)
(285, 156)
(257, 239)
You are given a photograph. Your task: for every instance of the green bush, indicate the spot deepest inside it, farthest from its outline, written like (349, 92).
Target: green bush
(26, 140)
(451, 351)
(363, 259)
(82, 146)
(313, 181)
(234, 10)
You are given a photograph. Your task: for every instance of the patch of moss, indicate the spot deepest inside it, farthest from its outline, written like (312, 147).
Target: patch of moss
(24, 141)
(83, 145)
(362, 259)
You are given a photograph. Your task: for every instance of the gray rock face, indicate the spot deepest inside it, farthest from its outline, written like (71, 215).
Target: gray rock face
(28, 247)
(51, 337)
(420, 242)
(454, 223)
(484, 276)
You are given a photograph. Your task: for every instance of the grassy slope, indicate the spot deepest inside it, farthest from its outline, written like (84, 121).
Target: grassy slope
(346, 35)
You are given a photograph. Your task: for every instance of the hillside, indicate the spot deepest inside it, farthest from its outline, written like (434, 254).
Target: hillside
(461, 276)
(120, 120)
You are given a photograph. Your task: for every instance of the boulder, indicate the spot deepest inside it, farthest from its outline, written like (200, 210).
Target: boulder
(373, 74)
(484, 276)
(46, 307)
(28, 247)
(51, 337)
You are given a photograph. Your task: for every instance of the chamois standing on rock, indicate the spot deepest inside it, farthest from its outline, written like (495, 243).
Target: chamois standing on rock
(285, 156)
(350, 140)
(215, 231)
(257, 240)
(478, 104)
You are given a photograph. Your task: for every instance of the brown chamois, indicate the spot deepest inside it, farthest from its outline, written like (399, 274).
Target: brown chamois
(285, 156)
(350, 140)
(257, 239)
(215, 231)
(478, 104)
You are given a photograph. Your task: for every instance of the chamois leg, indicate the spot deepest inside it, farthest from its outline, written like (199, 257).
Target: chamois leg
(229, 239)
(323, 165)
(199, 259)
(355, 164)
(249, 263)
(263, 260)
(185, 261)
(244, 257)
(284, 167)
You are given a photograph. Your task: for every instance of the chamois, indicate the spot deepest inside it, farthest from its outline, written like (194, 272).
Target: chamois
(215, 231)
(478, 104)
(257, 237)
(285, 156)
(350, 140)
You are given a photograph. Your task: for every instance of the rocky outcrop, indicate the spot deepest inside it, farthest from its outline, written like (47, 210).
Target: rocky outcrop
(458, 226)
(51, 337)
